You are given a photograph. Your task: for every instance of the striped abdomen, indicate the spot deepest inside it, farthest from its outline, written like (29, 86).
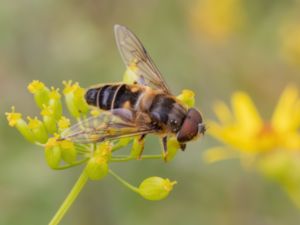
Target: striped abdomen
(163, 109)
(110, 97)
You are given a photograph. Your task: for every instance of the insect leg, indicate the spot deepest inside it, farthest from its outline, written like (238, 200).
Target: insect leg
(165, 147)
(182, 146)
(141, 142)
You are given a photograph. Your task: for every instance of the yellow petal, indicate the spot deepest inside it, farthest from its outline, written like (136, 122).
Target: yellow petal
(287, 112)
(291, 141)
(246, 114)
(223, 112)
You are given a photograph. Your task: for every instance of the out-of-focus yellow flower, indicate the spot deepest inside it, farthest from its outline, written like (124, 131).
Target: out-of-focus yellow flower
(243, 128)
(272, 147)
(216, 19)
(290, 42)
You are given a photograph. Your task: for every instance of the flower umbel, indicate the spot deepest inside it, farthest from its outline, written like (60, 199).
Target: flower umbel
(64, 154)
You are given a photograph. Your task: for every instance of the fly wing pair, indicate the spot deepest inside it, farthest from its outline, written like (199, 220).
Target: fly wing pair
(120, 123)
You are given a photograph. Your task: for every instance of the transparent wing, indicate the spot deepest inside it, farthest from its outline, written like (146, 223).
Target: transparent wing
(106, 126)
(135, 56)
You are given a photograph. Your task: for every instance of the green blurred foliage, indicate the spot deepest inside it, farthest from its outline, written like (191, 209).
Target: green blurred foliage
(61, 40)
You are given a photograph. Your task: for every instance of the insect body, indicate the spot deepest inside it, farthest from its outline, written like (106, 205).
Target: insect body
(147, 106)
(163, 111)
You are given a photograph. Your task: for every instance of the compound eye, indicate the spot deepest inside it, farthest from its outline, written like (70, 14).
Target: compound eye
(190, 126)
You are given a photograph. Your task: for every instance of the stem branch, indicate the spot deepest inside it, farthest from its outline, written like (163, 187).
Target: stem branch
(70, 199)
(125, 183)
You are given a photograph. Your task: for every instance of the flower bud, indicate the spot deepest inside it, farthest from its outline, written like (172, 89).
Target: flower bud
(156, 188)
(187, 97)
(80, 100)
(68, 151)
(16, 120)
(55, 102)
(49, 119)
(95, 112)
(40, 92)
(96, 168)
(38, 129)
(137, 147)
(103, 150)
(52, 153)
(63, 124)
(74, 96)
(130, 76)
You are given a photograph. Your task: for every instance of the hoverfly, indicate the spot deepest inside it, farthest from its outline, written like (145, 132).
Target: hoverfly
(144, 107)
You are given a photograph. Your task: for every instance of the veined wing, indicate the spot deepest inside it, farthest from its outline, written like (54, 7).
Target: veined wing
(106, 126)
(136, 58)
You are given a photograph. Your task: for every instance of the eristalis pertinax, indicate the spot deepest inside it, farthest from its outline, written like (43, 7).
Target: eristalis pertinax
(143, 107)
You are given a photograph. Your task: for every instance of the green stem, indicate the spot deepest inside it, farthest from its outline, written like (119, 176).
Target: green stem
(121, 158)
(72, 165)
(70, 199)
(152, 157)
(125, 183)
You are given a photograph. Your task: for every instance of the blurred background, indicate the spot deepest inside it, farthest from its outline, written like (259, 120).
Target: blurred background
(213, 47)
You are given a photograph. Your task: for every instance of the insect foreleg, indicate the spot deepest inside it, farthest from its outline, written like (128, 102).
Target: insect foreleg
(141, 143)
(165, 147)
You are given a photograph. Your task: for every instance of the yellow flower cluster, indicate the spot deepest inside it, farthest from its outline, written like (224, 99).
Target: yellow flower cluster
(63, 154)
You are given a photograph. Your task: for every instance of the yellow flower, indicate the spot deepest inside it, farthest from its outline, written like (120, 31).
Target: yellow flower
(243, 129)
(35, 86)
(13, 117)
(272, 147)
(48, 119)
(15, 120)
(74, 96)
(38, 129)
(217, 19)
(63, 123)
(130, 76)
(95, 112)
(187, 97)
(40, 92)
(55, 102)
(53, 152)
